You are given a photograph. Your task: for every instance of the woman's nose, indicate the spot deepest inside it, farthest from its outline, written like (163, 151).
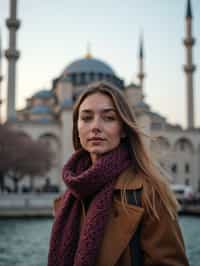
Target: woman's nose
(96, 130)
(96, 125)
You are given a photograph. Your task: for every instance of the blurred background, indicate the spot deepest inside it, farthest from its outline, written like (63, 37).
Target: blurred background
(49, 52)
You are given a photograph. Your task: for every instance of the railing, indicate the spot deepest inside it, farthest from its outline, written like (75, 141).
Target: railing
(30, 204)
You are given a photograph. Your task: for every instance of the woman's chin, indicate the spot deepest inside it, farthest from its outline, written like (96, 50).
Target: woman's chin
(97, 152)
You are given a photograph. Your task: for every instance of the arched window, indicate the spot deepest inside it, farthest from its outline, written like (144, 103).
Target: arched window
(184, 145)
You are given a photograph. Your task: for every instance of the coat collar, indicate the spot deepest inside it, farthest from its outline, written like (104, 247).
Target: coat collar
(129, 180)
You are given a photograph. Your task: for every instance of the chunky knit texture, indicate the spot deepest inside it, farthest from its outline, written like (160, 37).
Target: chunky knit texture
(70, 245)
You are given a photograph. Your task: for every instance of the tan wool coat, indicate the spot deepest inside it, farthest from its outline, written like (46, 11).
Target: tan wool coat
(161, 240)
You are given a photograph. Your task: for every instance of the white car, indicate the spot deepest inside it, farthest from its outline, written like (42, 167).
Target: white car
(182, 191)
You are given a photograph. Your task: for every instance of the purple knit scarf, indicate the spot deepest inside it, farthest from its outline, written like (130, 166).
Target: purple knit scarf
(70, 245)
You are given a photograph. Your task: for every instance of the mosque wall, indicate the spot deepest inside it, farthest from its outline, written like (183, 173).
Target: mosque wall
(35, 130)
(133, 95)
(179, 155)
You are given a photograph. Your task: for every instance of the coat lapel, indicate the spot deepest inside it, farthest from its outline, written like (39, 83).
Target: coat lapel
(122, 223)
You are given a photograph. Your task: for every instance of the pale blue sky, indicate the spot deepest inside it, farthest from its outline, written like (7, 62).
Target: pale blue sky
(54, 33)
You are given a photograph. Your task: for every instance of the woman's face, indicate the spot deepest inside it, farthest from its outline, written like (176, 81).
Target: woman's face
(99, 126)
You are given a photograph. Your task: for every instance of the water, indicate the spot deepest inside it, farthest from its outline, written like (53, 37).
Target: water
(191, 232)
(25, 242)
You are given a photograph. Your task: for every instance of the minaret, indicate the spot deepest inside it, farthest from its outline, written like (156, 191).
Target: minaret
(189, 67)
(141, 73)
(12, 55)
(1, 78)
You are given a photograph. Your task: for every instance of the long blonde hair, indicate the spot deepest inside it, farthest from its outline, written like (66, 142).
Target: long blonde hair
(154, 183)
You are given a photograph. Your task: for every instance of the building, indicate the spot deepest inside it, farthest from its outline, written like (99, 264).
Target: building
(48, 113)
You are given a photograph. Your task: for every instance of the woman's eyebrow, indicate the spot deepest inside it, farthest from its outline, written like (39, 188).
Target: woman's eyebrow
(109, 110)
(103, 110)
(86, 111)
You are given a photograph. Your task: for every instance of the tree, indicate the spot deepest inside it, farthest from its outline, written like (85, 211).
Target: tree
(21, 156)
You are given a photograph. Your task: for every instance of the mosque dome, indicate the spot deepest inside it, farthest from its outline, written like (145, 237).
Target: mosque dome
(41, 109)
(89, 69)
(88, 65)
(44, 94)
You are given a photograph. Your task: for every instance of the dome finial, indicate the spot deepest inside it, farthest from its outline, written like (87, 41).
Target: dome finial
(88, 54)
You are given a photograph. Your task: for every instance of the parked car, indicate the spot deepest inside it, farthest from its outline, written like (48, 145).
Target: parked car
(183, 192)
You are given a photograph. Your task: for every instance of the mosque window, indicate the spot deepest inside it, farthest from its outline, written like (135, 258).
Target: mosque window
(91, 76)
(187, 168)
(100, 76)
(108, 77)
(74, 79)
(82, 78)
(174, 168)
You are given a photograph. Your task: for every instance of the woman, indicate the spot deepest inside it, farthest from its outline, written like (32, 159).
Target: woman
(95, 224)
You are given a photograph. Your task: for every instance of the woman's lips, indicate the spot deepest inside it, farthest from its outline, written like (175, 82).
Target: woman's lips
(96, 139)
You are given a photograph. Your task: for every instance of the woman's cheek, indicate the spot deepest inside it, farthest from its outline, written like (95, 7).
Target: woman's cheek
(83, 133)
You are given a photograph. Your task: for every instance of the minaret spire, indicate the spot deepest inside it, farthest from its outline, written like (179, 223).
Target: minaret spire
(1, 77)
(141, 53)
(141, 73)
(189, 10)
(189, 67)
(12, 55)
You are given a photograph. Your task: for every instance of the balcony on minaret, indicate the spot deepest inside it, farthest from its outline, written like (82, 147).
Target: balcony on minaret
(13, 23)
(141, 75)
(189, 69)
(189, 41)
(14, 54)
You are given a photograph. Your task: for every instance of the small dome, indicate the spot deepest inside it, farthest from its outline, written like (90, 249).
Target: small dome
(43, 94)
(88, 65)
(41, 109)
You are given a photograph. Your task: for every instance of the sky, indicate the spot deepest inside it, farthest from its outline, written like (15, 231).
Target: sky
(55, 33)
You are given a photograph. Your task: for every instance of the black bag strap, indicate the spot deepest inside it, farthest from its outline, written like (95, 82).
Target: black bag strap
(134, 198)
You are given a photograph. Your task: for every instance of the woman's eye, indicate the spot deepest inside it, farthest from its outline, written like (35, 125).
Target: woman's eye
(86, 118)
(109, 118)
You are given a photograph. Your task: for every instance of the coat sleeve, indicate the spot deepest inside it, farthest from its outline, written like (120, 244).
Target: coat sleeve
(161, 240)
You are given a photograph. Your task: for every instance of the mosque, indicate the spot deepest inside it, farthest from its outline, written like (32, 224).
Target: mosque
(48, 113)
